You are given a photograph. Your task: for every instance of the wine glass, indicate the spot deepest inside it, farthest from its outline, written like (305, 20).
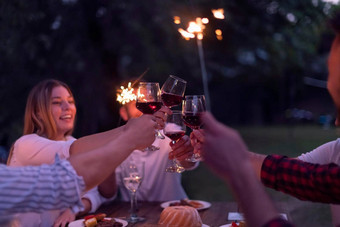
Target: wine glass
(175, 130)
(193, 106)
(149, 102)
(172, 91)
(132, 175)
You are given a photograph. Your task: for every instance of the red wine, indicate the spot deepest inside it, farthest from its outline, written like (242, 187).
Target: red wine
(170, 100)
(148, 107)
(192, 120)
(175, 135)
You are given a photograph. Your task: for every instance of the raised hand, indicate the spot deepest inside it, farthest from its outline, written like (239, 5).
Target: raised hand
(161, 116)
(197, 140)
(182, 149)
(223, 148)
(141, 130)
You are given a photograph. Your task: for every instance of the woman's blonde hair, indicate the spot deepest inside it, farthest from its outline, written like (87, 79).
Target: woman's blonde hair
(38, 115)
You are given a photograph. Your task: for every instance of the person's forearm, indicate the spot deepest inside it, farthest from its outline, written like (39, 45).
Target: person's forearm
(94, 141)
(256, 160)
(109, 187)
(258, 209)
(305, 181)
(95, 166)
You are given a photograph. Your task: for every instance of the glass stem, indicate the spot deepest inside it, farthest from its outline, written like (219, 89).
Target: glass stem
(133, 205)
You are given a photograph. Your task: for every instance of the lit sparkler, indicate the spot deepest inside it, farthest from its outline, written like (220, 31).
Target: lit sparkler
(195, 29)
(126, 95)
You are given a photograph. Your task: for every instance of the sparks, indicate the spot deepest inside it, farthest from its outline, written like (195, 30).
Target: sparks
(218, 13)
(126, 95)
(177, 20)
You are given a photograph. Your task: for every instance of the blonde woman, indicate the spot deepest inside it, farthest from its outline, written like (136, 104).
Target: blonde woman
(49, 121)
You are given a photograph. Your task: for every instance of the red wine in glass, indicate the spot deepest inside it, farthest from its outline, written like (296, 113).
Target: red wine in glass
(148, 102)
(175, 130)
(148, 107)
(172, 91)
(193, 106)
(175, 135)
(171, 100)
(192, 120)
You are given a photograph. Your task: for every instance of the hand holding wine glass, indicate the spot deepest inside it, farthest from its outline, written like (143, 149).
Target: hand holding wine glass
(132, 175)
(149, 102)
(172, 91)
(175, 130)
(193, 106)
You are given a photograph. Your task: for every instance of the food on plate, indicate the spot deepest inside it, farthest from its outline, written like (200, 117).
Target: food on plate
(187, 202)
(99, 220)
(90, 222)
(240, 224)
(180, 216)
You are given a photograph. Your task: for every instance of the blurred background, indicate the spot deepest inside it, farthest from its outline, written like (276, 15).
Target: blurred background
(266, 70)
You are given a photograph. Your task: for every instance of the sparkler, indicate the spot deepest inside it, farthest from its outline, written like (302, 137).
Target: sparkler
(126, 95)
(195, 29)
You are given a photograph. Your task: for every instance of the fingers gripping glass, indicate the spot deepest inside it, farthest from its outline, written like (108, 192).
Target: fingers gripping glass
(193, 106)
(175, 130)
(149, 102)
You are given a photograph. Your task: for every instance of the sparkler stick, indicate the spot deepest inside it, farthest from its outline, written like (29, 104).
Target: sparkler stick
(204, 74)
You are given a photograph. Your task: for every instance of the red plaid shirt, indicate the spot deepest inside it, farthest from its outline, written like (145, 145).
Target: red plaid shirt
(306, 181)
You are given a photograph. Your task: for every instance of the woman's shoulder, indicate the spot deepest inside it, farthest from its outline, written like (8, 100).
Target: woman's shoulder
(29, 138)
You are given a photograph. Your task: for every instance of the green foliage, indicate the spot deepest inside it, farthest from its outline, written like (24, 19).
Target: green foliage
(92, 45)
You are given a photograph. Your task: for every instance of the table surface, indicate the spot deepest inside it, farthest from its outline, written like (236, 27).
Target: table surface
(214, 216)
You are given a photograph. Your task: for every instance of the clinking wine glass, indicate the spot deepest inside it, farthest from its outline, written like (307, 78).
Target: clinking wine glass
(149, 102)
(193, 106)
(132, 175)
(175, 130)
(173, 91)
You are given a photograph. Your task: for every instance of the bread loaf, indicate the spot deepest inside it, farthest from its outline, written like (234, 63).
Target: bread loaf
(180, 216)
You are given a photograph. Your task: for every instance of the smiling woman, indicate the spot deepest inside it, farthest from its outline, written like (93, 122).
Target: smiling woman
(63, 111)
(49, 122)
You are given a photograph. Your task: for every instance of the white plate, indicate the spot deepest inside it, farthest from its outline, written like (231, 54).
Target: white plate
(80, 222)
(204, 203)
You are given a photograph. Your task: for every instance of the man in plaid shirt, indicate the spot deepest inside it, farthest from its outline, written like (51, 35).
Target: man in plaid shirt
(306, 181)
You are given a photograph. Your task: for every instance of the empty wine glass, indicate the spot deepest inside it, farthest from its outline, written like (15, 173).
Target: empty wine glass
(193, 106)
(132, 175)
(172, 91)
(175, 130)
(149, 102)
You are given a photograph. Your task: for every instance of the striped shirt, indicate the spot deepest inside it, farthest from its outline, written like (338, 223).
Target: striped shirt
(40, 188)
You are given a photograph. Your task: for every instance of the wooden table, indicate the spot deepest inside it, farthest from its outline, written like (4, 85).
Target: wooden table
(214, 216)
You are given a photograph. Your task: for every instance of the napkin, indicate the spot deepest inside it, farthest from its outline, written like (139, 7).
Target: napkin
(236, 216)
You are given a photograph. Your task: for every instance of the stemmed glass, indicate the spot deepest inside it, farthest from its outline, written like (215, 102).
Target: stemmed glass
(172, 91)
(193, 106)
(175, 130)
(149, 102)
(132, 174)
